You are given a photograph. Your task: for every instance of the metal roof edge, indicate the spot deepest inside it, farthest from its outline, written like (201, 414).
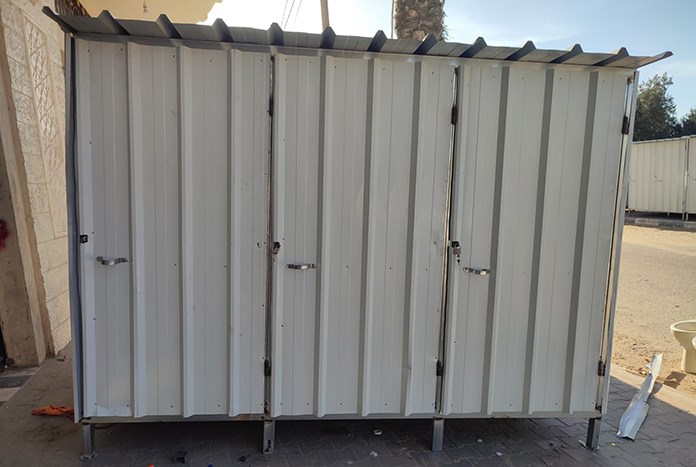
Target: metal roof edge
(219, 32)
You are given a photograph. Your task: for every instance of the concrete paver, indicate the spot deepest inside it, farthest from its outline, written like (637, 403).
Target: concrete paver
(668, 436)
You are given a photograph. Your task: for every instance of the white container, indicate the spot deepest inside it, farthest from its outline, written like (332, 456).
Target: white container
(658, 176)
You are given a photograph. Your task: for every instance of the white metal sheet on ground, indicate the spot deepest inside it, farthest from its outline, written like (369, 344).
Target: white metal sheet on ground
(164, 193)
(657, 176)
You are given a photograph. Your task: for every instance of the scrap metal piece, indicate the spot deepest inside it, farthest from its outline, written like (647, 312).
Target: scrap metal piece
(637, 410)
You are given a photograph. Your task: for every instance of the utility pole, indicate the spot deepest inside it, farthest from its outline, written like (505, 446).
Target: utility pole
(324, 13)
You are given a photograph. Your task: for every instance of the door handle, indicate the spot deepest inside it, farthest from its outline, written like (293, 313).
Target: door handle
(302, 267)
(111, 262)
(478, 272)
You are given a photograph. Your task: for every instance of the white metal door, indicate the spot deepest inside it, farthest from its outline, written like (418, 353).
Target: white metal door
(534, 195)
(360, 177)
(173, 177)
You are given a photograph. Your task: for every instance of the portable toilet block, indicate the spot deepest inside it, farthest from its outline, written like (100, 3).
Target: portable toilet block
(267, 225)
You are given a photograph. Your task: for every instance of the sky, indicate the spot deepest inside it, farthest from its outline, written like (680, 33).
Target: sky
(644, 27)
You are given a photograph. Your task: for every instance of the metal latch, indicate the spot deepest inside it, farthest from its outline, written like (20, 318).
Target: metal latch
(302, 267)
(478, 272)
(456, 248)
(111, 262)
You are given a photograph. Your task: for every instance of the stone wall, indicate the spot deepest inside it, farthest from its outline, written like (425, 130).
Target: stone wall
(34, 48)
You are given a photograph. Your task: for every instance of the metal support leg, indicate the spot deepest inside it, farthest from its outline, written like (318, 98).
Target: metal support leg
(594, 426)
(88, 440)
(438, 433)
(268, 436)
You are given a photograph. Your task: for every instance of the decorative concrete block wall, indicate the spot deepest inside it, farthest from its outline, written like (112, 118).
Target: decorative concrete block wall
(34, 46)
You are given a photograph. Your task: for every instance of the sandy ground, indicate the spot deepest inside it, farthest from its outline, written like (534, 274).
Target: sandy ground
(657, 287)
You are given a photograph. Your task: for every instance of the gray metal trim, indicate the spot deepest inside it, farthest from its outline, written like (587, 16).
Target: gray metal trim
(617, 235)
(73, 227)
(393, 416)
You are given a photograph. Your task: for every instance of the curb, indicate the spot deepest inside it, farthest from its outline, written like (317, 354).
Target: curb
(665, 223)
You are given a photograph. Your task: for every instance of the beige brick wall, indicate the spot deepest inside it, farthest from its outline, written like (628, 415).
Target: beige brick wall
(34, 47)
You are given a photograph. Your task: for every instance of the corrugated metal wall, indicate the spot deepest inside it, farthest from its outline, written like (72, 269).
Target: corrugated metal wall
(657, 176)
(175, 173)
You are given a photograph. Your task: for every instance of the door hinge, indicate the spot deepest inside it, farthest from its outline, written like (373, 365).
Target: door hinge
(439, 368)
(455, 112)
(267, 368)
(601, 368)
(626, 125)
(270, 106)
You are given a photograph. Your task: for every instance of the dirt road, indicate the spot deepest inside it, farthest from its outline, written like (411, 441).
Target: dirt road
(657, 287)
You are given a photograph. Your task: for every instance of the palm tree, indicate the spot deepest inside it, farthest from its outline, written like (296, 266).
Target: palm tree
(415, 19)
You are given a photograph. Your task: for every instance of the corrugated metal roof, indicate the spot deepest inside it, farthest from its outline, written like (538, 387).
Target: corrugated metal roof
(105, 24)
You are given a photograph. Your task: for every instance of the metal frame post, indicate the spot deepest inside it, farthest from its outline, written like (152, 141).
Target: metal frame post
(438, 433)
(88, 442)
(594, 426)
(268, 436)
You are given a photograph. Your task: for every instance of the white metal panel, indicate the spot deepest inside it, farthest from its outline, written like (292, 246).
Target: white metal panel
(158, 127)
(154, 169)
(429, 188)
(342, 226)
(206, 208)
(249, 78)
(691, 178)
(385, 294)
(657, 175)
(472, 224)
(296, 192)
(513, 262)
(558, 234)
(103, 178)
(598, 208)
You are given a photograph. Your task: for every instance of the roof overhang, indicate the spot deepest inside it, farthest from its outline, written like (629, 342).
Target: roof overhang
(219, 33)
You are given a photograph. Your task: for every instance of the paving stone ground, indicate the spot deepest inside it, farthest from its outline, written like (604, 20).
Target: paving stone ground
(668, 436)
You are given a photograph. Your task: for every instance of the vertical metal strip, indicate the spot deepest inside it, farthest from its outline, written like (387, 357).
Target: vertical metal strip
(363, 364)
(233, 243)
(321, 322)
(407, 356)
(615, 255)
(86, 252)
(448, 227)
(186, 183)
(268, 345)
(73, 226)
(536, 248)
(686, 178)
(491, 321)
(138, 321)
(580, 238)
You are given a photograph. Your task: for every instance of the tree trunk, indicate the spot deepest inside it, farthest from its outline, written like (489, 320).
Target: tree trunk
(415, 19)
